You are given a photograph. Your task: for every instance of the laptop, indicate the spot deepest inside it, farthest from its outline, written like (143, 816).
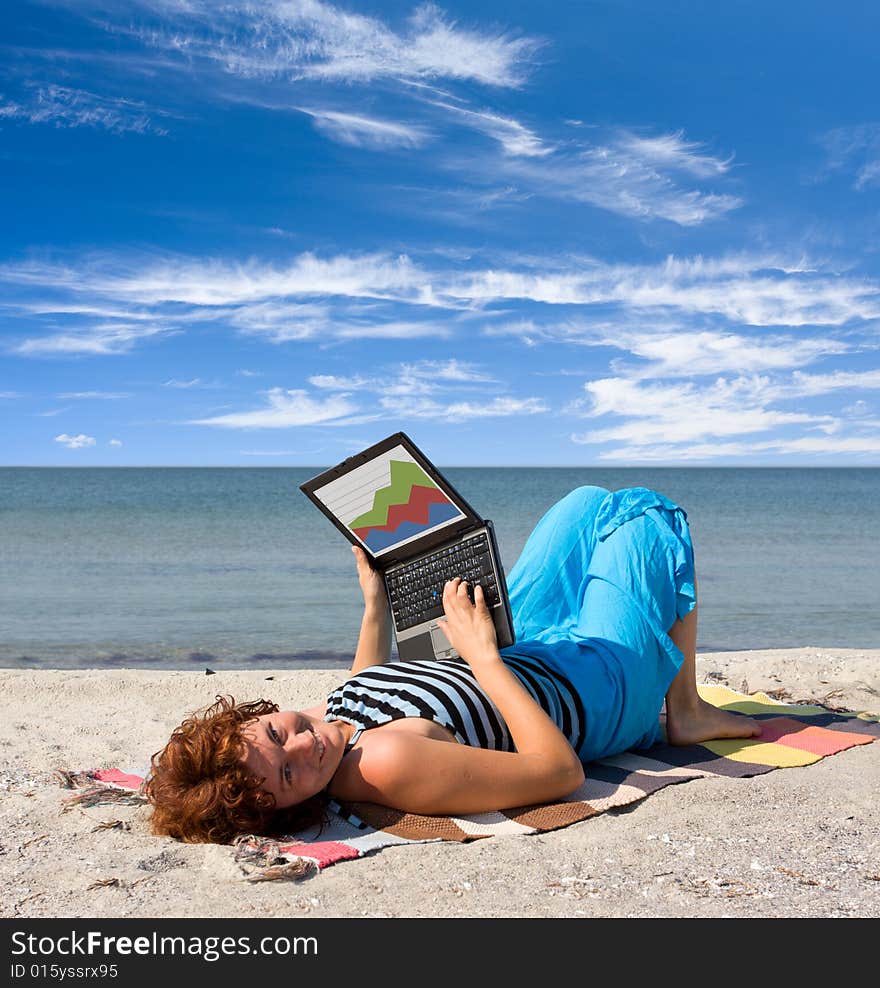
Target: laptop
(418, 532)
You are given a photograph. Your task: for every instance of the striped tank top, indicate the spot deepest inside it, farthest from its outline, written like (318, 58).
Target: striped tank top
(446, 692)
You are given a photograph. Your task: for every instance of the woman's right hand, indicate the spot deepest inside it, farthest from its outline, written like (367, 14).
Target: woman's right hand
(372, 584)
(468, 627)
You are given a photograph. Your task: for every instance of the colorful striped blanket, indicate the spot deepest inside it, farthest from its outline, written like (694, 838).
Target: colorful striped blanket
(793, 736)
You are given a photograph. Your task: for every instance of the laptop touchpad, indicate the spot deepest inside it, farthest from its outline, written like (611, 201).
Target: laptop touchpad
(439, 641)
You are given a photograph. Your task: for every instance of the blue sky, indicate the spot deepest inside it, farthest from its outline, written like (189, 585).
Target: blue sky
(606, 233)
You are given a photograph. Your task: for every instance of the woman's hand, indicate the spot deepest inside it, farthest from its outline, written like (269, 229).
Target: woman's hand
(469, 627)
(372, 584)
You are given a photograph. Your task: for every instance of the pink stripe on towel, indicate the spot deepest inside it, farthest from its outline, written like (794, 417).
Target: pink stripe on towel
(325, 852)
(118, 778)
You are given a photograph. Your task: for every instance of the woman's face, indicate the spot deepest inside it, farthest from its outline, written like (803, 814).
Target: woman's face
(296, 755)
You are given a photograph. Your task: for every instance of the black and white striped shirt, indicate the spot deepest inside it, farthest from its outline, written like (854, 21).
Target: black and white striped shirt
(446, 692)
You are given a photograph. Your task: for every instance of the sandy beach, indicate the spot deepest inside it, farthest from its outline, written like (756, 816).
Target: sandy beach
(794, 842)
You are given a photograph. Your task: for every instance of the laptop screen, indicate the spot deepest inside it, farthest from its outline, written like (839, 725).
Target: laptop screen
(388, 501)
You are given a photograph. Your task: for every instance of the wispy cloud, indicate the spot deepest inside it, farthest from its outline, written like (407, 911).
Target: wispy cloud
(286, 322)
(107, 339)
(683, 411)
(855, 150)
(195, 382)
(285, 409)
(420, 378)
(366, 132)
(102, 395)
(210, 282)
(620, 179)
(428, 408)
(673, 151)
(751, 289)
(75, 442)
(62, 106)
(115, 442)
(663, 352)
(693, 420)
(424, 389)
(351, 297)
(768, 450)
(694, 354)
(332, 382)
(515, 138)
(309, 39)
(820, 384)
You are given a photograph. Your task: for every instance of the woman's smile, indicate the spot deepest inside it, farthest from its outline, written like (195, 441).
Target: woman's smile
(295, 755)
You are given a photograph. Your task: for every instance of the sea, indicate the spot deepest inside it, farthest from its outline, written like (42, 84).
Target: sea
(184, 568)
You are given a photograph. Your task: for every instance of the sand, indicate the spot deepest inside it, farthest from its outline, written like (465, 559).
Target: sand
(794, 842)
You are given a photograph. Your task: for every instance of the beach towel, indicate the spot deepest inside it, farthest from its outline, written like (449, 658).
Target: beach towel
(794, 735)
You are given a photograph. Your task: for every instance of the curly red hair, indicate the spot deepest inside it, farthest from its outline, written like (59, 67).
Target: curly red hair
(201, 791)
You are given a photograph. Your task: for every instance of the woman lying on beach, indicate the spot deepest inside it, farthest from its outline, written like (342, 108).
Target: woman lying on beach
(604, 606)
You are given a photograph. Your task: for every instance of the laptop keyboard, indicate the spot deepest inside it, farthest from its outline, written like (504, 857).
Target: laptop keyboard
(416, 589)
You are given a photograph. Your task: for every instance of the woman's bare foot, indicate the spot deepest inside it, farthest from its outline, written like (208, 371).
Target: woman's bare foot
(704, 722)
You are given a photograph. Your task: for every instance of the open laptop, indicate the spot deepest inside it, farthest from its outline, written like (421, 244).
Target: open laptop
(419, 532)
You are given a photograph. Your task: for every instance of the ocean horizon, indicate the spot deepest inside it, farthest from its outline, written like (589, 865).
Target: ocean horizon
(232, 567)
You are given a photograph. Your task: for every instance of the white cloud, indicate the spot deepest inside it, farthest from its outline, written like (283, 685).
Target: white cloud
(515, 139)
(65, 107)
(672, 151)
(393, 297)
(858, 409)
(454, 370)
(757, 290)
(402, 329)
(684, 354)
(282, 322)
(683, 412)
(834, 446)
(501, 407)
(75, 442)
(420, 378)
(366, 132)
(856, 150)
(104, 395)
(106, 339)
(770, 450)
(670, 351)
(725, 418)
(11, 394)
(333, 382)
(115, 442)
(617, 180)
(818, 384)
(688, 354)
(309, 39)
(195, 382)
(212, 282)
(286, 409)
(868, 174)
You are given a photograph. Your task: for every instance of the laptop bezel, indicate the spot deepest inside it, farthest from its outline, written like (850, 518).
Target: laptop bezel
(410, 549)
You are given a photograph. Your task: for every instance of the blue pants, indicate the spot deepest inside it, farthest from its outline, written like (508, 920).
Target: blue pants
(599, 583)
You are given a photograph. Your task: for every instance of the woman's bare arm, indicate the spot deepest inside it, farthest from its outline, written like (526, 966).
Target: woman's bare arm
(470, 629)
(423, 775)
(374, 641)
